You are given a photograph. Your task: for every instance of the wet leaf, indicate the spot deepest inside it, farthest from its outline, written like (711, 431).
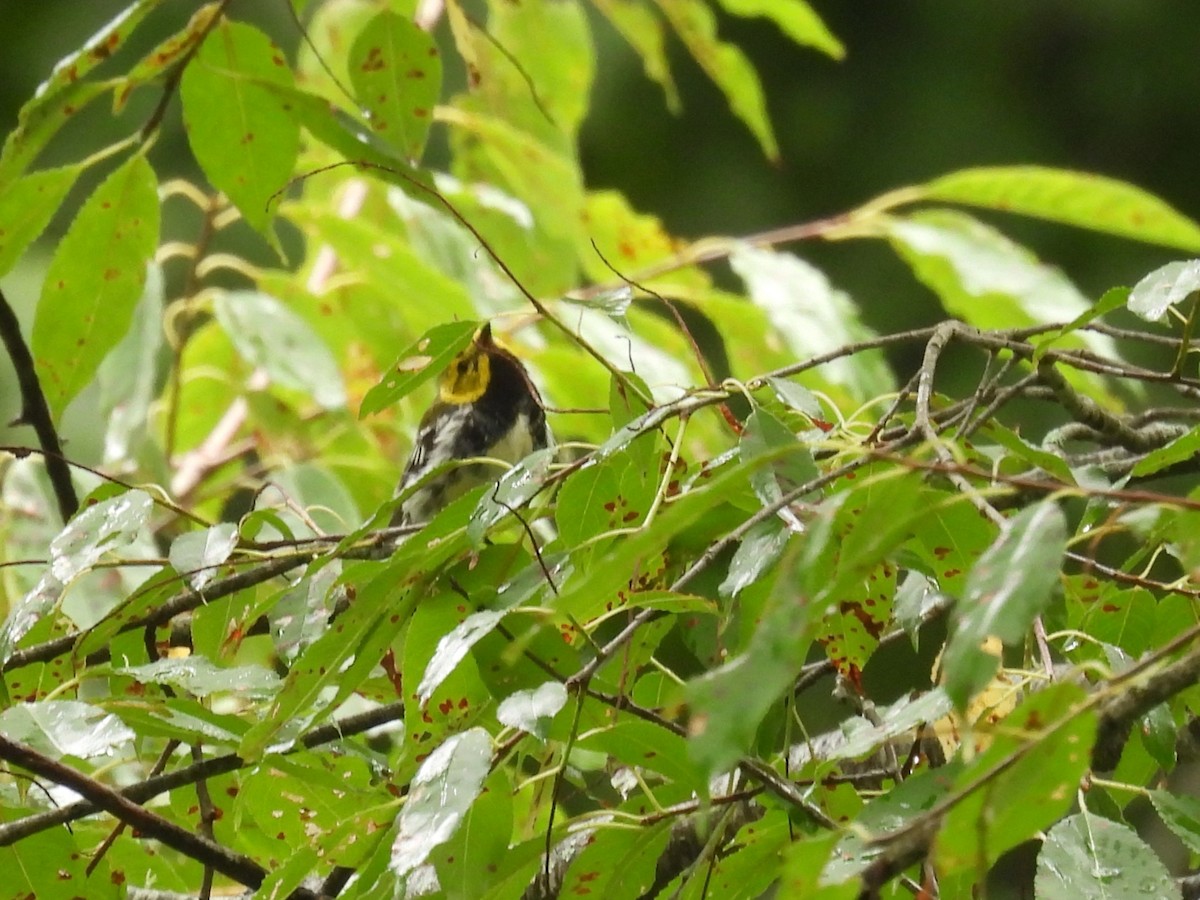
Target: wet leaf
(531, 711)
(441, 793)
(199, 554)
(453, 647)
(1088, 856)
(61, 728)
(200, 678)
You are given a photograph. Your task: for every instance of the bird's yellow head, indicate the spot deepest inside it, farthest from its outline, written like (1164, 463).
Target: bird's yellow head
(466, 378)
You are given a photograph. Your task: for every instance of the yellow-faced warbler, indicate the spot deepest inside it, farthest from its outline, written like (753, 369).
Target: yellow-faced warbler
(486, 407)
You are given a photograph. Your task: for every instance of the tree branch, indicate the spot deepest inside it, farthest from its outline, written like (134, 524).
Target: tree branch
(36, 412)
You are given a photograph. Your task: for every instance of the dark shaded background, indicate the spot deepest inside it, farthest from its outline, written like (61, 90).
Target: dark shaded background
(928, 86)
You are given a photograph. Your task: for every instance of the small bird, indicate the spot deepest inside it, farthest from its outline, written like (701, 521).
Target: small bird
(487, 406)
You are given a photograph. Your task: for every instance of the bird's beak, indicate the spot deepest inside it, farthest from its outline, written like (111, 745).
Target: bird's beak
(484, 337)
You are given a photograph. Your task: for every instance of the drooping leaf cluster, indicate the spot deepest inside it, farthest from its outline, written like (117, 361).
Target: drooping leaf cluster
(773, 617)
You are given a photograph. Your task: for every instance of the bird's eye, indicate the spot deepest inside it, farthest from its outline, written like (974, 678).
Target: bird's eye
(463, 365)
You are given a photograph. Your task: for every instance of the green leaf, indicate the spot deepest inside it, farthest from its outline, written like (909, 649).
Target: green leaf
(1073, 198)
(1182, 449)
(1043, 459)
(644, 32)
(1180, 813)
(440, 795)
(28, 874)
(65, 92)
(1113, 298)
(396, 72)
(725, 64)
(1087, 856)
(26, 207)
(94, 281)
(760, 549)
(198, 554)
(244, 137)
(452, 647)
(1021, 784)
(983, 277)
(617, 862)
(199, 677)
(531, 711)
(357, 638)
(425, 359)
(729, 703)
(514, 490)
(1007, 589)
(1164, 288)
(764, 433)
(543, 76)
(184, 719)
(812, 317)
(168, 54)
(61, 728)
(795, 18)
(648, 746)
(266, 333)
(467, 862)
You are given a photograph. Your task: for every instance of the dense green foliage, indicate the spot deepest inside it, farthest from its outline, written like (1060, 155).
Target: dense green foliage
(690, 654)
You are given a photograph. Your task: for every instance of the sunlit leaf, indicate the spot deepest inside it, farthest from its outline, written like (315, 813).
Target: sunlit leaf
(795, 18)
(811, 316)
(1073, 198)
(244, 138)
(66, 92)
(644, 31)
(1164, 288)
(396, 70)
(26, 207)
(725, 64)
(986, 279)
(95, 280)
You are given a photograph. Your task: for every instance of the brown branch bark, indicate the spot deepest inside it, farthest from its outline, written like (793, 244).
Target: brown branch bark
(36, 413)
(233, 865)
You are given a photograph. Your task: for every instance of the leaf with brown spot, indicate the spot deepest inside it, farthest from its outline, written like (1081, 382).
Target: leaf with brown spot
(85, 309)
(225, 100)
(397, 80)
